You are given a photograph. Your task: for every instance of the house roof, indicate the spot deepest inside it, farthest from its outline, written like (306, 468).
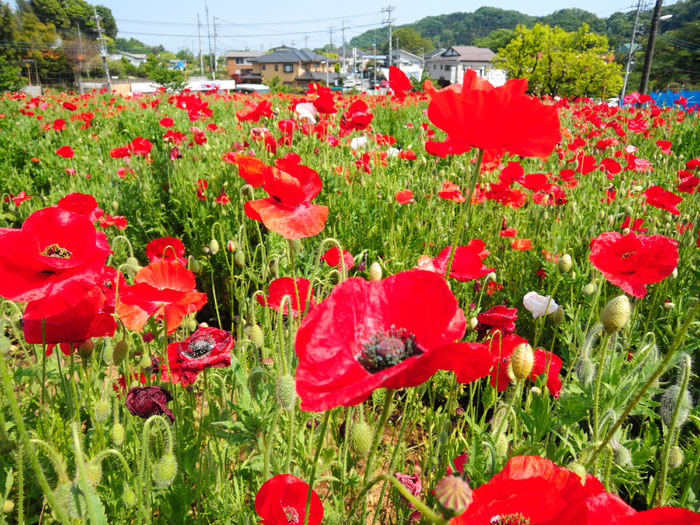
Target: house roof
(243, 54)
(291, 56)
(465, 54)
(317, 76)
(433, 53)
(139, 56)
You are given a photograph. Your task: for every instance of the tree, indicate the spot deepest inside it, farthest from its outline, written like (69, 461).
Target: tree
(157, 70)
(10, 79)
(69, 15)
(560, 63)
(408, 39)
(496, 40)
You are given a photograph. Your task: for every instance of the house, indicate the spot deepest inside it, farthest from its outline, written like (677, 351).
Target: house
(136, 59)
(296, 68)
(238, 63)
(448, 67)
(402, 58)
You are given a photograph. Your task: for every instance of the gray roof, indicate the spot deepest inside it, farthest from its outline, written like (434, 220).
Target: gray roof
(465, 54)
(292, 56)
(317, 76)
(243, 54)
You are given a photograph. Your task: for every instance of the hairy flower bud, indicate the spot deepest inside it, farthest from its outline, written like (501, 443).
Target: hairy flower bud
(622, 456)
(257, 336)
(522, 361)
(103, 409)
(375, 272)
(585, 371)
(558, 316)
(360, 438)
(565, 263)
(239, 258)
(668, 405)
(165, 471)
(129, 497)
(193, 264)
(93, 472)
(589, 289)
(118, 434)
(213, 246)
(285, 392)
(86, 348)
(616, 314)
(676, 457)
(453, 493)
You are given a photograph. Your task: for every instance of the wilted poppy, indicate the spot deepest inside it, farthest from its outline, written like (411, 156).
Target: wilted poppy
(162, 289)
(148, 401)
(282, 501)
(370, 334)
(207, 347)
(476, 114)
(285, 286)
(632, 261)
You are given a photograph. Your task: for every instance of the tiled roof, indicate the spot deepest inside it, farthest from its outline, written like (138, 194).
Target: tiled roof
(465, 54)
(292, 56)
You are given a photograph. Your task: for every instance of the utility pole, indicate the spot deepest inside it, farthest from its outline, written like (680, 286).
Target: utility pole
(631, 53)
(206, 13)
(343, 30)
(388, 9)
(650, 47)
(103, 49)
(216, 61)
(306, 41)
(80, 61)
(201, 58)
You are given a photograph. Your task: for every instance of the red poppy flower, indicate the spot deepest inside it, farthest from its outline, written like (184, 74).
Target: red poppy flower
(207, 347)
(404, 197)
(689, 184)
(665, 146)
(54, 258)
(399, 82)
(324, 103)
(508, 232)
(65, 151)
(167, 122)
(261, 109)
(69, 106)
(451, 192)
(661, 516)
(82, 203)
(499, 317)
(106, 221)
(17, 199)
(148, 401)
(466, 263)
(632, 261)
(252, 169)
(120, 152)
(475, 113)
(444, 148)
(357, 117)
(285, 286)
(141, 146)
(59, 124)
(84, 320)
(288, 211)
(166, 249)
(332, 258)
(159, 289)
(370, 334)
(282, 500)
(658, 197)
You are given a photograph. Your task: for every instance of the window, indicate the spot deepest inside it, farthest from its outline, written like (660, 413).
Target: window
(263, 67)
(277, 68)
(240, 60)
(288, 68)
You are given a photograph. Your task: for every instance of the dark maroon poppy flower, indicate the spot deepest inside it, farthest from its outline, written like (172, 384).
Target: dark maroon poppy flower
(54, 259)
(166, 249)
(632, 261)
(282, 501)
(285, 286)
(82, 203)
(207, 347)
(147, 401)
(382, 334)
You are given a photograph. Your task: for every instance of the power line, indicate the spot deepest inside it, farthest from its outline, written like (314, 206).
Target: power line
(226, 22)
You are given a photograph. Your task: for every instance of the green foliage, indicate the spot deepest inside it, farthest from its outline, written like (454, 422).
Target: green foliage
(10, 77)
(157, 70)
(496, 40)
(408, 39)
(277, 86)
(560, 63)
(68, 16)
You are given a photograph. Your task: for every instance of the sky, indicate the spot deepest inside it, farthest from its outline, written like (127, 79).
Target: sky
(268, 23)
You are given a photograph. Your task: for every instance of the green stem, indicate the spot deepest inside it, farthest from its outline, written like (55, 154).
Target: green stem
(22, 431)
(268, 445)
(312, 478)
(659, 370)
(89, 493)
(596, 391)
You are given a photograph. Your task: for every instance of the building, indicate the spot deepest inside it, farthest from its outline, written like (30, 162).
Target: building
(136, 59)
(296, 68)
(238, 63)
(448, 67)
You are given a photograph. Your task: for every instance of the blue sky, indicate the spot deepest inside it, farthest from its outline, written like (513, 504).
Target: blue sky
(263, 24)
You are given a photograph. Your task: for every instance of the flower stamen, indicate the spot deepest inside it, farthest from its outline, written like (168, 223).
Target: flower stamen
(54, 250)
(199, 348)
(387, 349)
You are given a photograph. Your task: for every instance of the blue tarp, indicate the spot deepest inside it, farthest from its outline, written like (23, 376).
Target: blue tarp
(667, 98)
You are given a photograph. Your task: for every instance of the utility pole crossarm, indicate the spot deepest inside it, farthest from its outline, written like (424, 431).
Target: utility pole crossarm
(103, 49)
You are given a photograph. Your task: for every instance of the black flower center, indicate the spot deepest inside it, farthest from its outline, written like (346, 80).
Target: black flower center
(291, 514)
(199, 348)
(54, 250)
(510, 519)
(627, 255)
(387, 349)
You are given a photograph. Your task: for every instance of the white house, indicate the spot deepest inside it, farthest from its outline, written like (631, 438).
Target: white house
(136, 59)
(448, 67)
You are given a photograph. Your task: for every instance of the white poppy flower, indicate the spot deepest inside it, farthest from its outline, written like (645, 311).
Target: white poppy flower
(306, 110)
(358, 142)
(539, 305)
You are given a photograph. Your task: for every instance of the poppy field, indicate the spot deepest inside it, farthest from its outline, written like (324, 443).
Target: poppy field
(461, 305)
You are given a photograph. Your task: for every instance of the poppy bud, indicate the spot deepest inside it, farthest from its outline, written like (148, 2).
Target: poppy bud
(589, 289)
(129, 497)
(231, 245)
(247, 190)
(360, 438)
(676, 457)
(585, 371)
(285, 392)
(133, 262)
(565, 263)
(239, 258)
(616, 314)
(165, 471)
(536, 391)
(118, 434)
(669, 306)
(193, 264)
(497, 421)
(622, 456)
(522, 361)
(214, 246)
(453, 493)
(558, 316)
(668, 405)
(375, 272)
(5, 346)
(257, 336)
(297, 246)
(93, 472)
(119, 353)
(86, 348)
(502, 445)
(674, 273)
(103, 409)
(115, 206)
(422, 160)
(473, 323)
(8, 507)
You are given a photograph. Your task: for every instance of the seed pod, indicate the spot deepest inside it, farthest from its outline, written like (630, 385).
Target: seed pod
(86, 348)
(165, 471)
(214, 246)
(119, 353)
(360, 438)
(676, 456)
(239, 258)
(285, 392)
(453, 493)
(118, 434)
(616, 314)
(522, 361)
(257, 336)
(375, 272)
(103, 409)
(589, 289)
(565, 263)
